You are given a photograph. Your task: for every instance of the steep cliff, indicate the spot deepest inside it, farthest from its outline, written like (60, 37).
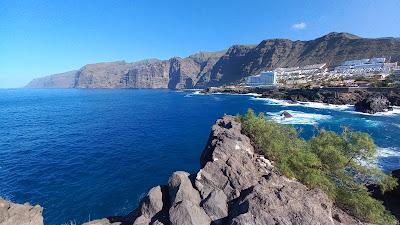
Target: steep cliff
(332, 49)
(234, 186)
(61, 80)
(207, 69)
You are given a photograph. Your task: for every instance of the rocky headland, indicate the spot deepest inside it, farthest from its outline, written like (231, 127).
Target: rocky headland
(234, 186)
(207, 69)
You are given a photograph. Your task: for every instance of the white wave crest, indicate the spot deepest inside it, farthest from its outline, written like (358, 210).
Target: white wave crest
(318, 105)
(194, 94)
(388, 152)
(298, 117)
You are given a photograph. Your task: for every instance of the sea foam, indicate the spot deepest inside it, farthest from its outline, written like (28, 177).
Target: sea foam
(318, 105)
(298, 117)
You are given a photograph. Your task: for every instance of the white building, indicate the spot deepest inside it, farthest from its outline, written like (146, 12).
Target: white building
(308, 72)
(265, 78)
(396, 71)
(365, 67)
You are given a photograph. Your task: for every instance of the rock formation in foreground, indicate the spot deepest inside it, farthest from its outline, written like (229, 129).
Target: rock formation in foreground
(234, 186)
(17, 214)
(207, 69)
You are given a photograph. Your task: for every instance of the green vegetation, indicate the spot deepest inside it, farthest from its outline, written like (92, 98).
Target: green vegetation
(339, 164)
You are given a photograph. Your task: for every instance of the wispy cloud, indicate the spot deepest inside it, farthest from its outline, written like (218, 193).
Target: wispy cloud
(299, 26)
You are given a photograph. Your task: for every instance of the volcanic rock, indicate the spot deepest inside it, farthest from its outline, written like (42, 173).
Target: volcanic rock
(373, 104)
(17, 214)
(235, 186)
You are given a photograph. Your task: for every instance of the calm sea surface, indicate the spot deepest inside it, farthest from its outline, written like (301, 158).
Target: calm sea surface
(86, 154)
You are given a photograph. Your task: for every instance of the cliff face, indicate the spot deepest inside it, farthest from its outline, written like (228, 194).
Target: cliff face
(217, 68)
(62, 80)
(332, 49)
(233, 186)
(175, 73)
(16, 214)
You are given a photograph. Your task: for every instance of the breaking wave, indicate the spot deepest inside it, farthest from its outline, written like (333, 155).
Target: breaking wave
(298, 117)
(318, 105)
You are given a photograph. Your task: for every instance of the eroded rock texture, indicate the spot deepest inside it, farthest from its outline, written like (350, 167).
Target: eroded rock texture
(18, 214)
(235, 186)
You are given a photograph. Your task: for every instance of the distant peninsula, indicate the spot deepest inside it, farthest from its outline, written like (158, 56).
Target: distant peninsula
(208, 69)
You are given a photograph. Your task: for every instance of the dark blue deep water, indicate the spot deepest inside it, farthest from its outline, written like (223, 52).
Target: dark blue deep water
(92, 153)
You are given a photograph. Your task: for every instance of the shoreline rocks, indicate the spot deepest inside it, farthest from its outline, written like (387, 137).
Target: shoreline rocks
(235, 186)
(20, 214)
(373, 104)
(364, 101)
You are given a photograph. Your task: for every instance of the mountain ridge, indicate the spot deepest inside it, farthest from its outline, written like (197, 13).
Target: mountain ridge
(205, 69)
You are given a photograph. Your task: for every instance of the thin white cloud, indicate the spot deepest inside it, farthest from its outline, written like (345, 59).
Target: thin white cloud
(299, 26)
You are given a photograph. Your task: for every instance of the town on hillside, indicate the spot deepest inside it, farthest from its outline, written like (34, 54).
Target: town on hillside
(373, 72)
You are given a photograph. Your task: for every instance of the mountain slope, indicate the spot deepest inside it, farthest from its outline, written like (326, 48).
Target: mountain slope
(61, 80)
(206, 69)
(332, 49)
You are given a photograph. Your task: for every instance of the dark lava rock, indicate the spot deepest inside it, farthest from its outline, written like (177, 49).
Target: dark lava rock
(235, 186)
(286, 114)
(373, 104)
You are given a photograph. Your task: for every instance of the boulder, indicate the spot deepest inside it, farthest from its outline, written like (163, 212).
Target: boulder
(373, 104)
(216, 207)
(285, 114)
(186, 212)
(18, 214)
(180, 188)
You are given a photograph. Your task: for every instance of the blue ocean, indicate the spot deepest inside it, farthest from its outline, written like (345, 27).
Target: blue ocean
(87, 154)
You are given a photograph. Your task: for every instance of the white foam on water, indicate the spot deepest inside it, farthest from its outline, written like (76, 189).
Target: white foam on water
(298, 117)
(247, 94)
(193, 94)
(372, 123)
(315, 105)
(319, 105)
(388, 152)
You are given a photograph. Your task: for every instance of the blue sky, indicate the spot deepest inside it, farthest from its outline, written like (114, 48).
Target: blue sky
(39, 37)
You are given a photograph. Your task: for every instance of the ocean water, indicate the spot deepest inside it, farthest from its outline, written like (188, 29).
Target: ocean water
(86, 154)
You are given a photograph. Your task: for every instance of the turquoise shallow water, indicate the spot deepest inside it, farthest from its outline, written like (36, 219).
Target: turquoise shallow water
(92, 153)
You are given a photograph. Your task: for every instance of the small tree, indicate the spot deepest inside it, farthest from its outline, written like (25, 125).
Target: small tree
(339, 164)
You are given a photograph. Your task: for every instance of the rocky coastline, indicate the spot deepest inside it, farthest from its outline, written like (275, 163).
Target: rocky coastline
(364, 101)
(234, 186)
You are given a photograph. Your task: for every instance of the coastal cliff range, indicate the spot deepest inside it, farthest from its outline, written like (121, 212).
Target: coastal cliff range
(207, 69)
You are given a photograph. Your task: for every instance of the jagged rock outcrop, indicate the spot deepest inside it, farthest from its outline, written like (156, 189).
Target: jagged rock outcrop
(235, 186)
(207, 69)
(373, 104)
(17, 214)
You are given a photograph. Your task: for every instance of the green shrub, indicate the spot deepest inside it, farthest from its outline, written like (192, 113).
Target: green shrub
(339, 164)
